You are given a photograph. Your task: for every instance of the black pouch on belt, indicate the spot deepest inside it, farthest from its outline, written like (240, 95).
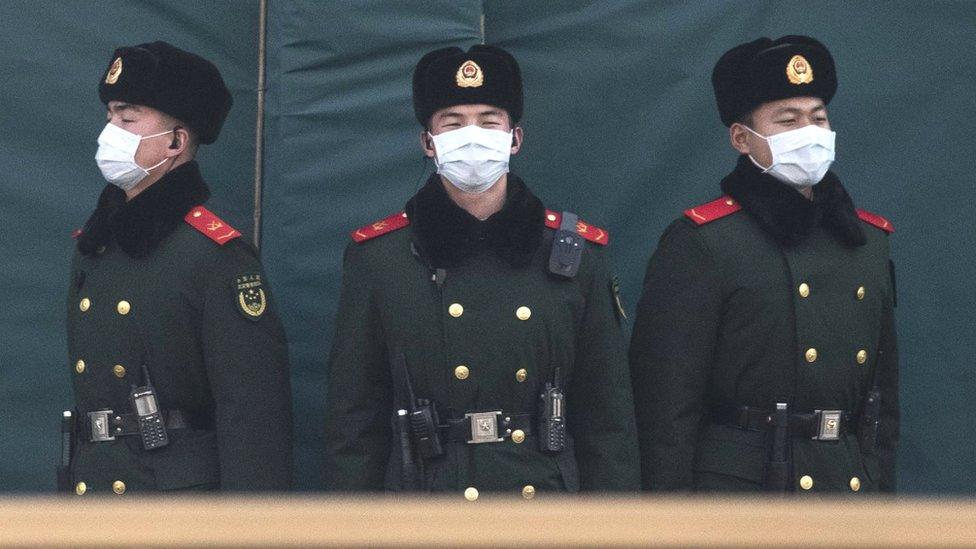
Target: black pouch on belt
(778, 466)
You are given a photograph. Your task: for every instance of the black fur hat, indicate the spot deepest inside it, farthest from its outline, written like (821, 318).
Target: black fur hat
(176, 82)
(451, 76)
(765, 70)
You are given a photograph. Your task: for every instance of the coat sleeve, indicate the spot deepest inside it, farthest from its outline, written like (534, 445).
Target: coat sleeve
(247, 364)
(600, 400)
(671, 352)
(888, 383)
(359, 401)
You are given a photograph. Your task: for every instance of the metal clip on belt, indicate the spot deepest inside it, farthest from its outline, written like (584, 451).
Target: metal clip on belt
(820, 425)
(105, 425)
(482, 427)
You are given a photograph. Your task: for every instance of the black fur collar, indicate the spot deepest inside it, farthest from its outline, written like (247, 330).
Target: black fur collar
(788, 215)
(139, 225)
(448, 234)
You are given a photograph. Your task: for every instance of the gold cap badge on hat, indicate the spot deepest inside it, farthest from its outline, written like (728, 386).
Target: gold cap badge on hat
(115, 72)
(469, 75)
(799, 71)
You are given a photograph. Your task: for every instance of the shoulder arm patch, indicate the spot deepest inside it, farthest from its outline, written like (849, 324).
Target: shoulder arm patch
(590, 232)
(383, 226)
(876, 220)
(711, 211)
(213, 227)
(249, 296)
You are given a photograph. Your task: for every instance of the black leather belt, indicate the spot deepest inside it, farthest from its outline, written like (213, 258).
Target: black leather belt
(105, 425)
(819, 425)
(479, 427)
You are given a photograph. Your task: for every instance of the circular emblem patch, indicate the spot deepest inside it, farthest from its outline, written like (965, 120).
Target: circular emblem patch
(114, 72)
(799, 71)
(251, 300)
(469, 75)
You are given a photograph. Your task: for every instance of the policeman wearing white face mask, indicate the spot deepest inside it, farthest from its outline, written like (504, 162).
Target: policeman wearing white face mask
(764, 355)
(166, 296)
(479, 343)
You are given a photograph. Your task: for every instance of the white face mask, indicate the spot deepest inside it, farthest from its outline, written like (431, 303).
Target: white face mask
(473, 158)
(801, 157)
(116, 156)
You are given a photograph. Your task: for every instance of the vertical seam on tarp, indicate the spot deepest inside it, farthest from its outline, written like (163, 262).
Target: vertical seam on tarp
(482, 22)
(259, 125)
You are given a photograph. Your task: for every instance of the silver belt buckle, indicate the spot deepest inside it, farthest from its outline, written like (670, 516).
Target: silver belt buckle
(99, 425)
(484, 427)
(829, 424)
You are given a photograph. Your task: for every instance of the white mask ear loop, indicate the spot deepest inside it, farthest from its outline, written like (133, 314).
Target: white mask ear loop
(754, 161)
(160, 163)
(157, 134)
(430, 141)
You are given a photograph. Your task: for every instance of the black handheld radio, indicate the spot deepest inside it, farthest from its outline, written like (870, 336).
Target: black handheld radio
(552, 423)
(152, 427)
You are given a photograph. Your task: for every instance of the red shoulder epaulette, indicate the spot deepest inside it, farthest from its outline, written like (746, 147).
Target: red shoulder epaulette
(76, 233)
(381, 227)
(209, 224)
(590, 232)
(716, 209)
(876, 220)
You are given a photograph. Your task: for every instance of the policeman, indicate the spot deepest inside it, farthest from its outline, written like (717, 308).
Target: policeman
(177, 355)
(763, 354)
(478, 343)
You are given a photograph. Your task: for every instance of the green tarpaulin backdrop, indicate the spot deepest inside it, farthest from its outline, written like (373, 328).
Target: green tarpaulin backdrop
(620, 126)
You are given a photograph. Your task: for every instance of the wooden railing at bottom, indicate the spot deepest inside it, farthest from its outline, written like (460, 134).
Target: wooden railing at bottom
(439, 522)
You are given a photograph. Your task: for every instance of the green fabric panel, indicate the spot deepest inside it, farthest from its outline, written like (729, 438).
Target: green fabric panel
(54, 55)
(620, 127)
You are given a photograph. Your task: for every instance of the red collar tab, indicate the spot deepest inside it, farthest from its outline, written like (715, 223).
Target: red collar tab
(76, 234)
(716, 209)
(590, 232)
(381, 227)
(213, 227)
(876, 220)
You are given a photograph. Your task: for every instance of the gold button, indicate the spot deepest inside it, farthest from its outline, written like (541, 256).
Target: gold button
(80, 366)
(855, 484)
(471, 494)
(811, 355)
(551, 217)
(461, 372)
(730, 202)
(124, 307)
(118, 487)
(100, 250)
(118, 370)
(862, 356)
(455, 310)
(528, 492)
(518, 436)
(197, 213)
(804, 290)
(860, 293)
(806, 482)
(85, 304)
(523, 313)
(521, 374)
(81, 488)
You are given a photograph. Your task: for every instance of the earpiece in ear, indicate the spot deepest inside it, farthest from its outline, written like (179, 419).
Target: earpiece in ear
(175, 144)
